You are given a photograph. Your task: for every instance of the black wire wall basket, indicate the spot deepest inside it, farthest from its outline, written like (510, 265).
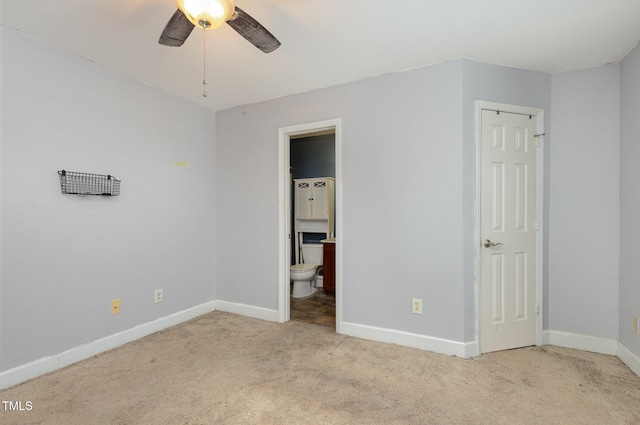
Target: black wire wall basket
(73, 183)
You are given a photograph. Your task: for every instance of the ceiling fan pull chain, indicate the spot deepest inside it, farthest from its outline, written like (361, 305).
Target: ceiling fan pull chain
(204, 65)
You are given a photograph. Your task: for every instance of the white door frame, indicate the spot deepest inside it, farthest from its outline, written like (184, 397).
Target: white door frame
(284, 213)
(539, 114)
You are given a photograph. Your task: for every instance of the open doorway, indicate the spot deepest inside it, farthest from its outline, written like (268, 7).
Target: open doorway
(321, 140)
(312, 168)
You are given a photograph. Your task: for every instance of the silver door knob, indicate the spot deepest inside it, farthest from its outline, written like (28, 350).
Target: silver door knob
(489, 244)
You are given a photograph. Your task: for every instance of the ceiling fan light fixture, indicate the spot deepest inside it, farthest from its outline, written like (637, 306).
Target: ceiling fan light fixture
(208, 14)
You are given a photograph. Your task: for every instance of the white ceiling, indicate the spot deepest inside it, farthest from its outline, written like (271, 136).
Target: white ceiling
(329, 42)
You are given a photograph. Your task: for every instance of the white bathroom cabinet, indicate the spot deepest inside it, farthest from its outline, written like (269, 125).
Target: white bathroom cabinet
(314, 198)
(314, 208)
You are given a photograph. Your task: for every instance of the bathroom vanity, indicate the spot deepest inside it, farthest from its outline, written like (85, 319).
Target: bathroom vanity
(329, 266)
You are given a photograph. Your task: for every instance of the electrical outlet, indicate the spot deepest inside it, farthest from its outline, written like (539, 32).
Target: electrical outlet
(115, 306)
(636, 326)
(157, 296)
(416, 306)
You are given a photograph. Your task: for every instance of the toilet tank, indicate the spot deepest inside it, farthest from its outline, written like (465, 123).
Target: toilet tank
(312, 253)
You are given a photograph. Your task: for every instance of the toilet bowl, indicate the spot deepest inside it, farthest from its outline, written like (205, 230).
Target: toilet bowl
(303, 277)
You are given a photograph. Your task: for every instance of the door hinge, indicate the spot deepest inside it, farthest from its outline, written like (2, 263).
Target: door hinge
(537, 139)
(537, 310)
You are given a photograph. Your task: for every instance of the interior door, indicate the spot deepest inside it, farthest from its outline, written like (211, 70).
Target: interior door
(508, 226)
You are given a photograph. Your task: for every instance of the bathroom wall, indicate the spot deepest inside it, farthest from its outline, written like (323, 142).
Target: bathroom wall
(65, 257)
(313, 156)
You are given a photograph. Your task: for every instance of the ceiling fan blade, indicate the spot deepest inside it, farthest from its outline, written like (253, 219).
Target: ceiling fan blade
(253, 32)
(177, 30)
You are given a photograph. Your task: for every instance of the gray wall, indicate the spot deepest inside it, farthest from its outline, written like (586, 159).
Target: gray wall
(630, 200)
(584, 202)
(402, 192)
(1, 168)
(65, 257)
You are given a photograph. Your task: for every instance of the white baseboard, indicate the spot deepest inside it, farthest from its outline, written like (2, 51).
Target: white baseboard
(581, 342)
(629, 358)
(44, 365)
(248, 310)
(407, 339)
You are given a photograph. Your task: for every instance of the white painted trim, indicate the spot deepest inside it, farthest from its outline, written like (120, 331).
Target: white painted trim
(541, 224)
(582, 342)
(44, 365)
(481, 105)
(338, 223)
(284, 224)
(407, 339)
(628, 358)
(248, 310)
(284, 219)
(477, 236)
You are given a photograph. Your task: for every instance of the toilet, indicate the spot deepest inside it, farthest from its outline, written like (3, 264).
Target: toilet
(303, 275)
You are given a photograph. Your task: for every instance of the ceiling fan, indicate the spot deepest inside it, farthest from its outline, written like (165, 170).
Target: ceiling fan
(210, 14)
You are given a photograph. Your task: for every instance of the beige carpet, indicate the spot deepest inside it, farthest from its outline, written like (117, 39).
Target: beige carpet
(227, 369)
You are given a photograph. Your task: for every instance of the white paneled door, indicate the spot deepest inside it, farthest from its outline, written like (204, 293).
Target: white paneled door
(508, 227)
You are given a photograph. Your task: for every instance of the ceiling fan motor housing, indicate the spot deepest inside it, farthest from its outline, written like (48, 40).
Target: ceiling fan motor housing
(207, 14)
